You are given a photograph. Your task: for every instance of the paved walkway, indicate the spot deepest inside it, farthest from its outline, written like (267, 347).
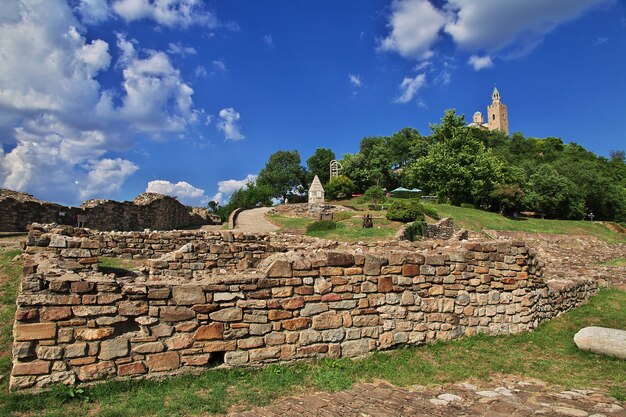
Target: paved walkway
(253, 220)
(507, 397)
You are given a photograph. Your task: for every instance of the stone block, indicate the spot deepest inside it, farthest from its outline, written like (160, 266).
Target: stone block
(185, 295)
(227, 315)
(31, 368)
(133, 308)
(236, 358)
(327, 320)
(114, 348)
(55, 313)
(297, 323)
(211, 331)
(158, 293)
(180, 341)
(352, 348)
(76, 350)
(280, 269)
(385, 284)
(602, 340)
(130, 369)
(149, 347)
(176, 313)
(49, 353)
(94, 334)
(166, 361)
(292, 303)
(35, 331)
(339, 259)
(96, 371)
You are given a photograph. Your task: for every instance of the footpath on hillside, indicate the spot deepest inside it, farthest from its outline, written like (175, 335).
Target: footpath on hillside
(253, 221)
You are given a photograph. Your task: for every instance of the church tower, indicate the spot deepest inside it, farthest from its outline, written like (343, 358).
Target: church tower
(498, 114)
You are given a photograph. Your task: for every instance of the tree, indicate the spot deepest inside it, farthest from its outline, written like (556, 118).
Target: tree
(339, 187)
(319, 164)
(509, 197)
(458, 168)
(553, 195)
(448, 126)
(283, 174)
(214, 206)
(374, 195)
(401, 146)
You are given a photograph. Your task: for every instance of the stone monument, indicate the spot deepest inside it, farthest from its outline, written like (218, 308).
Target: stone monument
(316, 192)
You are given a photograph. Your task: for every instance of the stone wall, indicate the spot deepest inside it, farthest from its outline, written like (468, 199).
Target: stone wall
(147, 211)
(246, 300)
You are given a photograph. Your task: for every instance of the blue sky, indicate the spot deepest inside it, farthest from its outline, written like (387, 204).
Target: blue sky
(110, 98)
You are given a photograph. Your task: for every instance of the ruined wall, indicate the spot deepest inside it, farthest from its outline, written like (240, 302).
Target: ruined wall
(147, 211)
(244, 300)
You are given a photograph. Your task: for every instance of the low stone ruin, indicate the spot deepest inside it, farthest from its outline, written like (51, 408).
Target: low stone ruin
(206, 299)
(147, 211)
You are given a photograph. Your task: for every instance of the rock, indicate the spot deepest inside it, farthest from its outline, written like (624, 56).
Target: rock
(49, 352)
(188, 295)
(163, 361)
(602, 340)
(96, 371)
(227, 314)
(134, 368)
(488, 394)
(133, 308)
(94, 334)
(114, 348)
(449, 397)
(150, 347)
(211, 331)
(31, 368)
(36, 331)
(569, 411)
(170, 313)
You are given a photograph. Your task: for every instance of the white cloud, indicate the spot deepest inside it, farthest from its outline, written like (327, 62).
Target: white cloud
(93, 11)
(57, 119)
(492, 25)
(480, 62)
(180, 49)
(415, 25)
(228, 124)
(185, 192)
(169, 13)
(227, 187)
(219, 65)
(355, 80)
(269, 41)
(600, 40)
(409, 87)
(200, 71)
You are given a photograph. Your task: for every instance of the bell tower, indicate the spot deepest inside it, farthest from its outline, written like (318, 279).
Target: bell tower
(498, 114)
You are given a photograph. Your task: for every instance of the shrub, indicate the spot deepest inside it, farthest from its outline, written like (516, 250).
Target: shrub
(414, 231)
(321, 225)
(467, 205)
(405, 211)
(374, 195)
(431, 212)
(339, 187)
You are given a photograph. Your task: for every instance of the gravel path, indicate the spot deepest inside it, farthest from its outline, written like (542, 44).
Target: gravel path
(507, 397)
(253, 220)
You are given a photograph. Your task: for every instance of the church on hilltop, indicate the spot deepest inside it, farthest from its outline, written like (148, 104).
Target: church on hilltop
(498, 116)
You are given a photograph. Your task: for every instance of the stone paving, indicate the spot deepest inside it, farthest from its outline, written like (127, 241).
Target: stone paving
(507, 397)
(253, 220)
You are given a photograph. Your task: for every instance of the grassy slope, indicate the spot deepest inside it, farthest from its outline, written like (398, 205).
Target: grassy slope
(548, 353)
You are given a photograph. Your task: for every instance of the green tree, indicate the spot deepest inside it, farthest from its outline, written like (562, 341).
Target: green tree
(374, 195)
(554, 195)
(339, 187)
(283, 174)
(448, 126)
(319, 164)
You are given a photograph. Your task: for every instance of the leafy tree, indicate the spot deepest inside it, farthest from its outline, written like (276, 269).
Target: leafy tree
(213, 206)
(508, 197)
(283, 174)
(405, 211)
(448, 126)
(458, 168)
(339, 187)
(374, 195)
(401, 146)
(319, 164)
(553, 195)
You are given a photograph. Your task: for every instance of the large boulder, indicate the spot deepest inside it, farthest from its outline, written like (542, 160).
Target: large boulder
(602, 340)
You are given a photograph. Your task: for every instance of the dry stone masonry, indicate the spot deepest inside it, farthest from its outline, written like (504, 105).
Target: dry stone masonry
(212, 298)
(147, 211)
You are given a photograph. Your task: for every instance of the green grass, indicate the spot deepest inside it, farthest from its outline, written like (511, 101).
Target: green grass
(349, 227)
(118, 266)
(548, 354)
(9, 284)
(616, 262)
(477, 220)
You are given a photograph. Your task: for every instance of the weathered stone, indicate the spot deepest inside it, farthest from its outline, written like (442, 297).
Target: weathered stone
(163, 361)
(22, 350)
(35, 331)
(311, 309)
(185, 295)
(75, 350)
(129, 369)
(227, 314)
(280, 269)
(150, 347)
(236, 358)
(158, 293)
(292, 303)
(181, 341)
(339, 259)
(114, 348)
(352, 348)
(327, 320)
(96, 371)
(211, 331)
(90, 311)
(133, 308)
(385, 284)
(602, 340)
(49, 352)
(94, 334)
(296, 324)
(175, 313)
(31, 368)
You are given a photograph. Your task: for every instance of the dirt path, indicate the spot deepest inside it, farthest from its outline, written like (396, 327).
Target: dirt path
(508, 397)
(253, 220)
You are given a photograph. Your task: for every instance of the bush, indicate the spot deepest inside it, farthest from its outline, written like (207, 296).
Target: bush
(467, 205)
(321, 225)
(374, 195)
(431, 212)
(405, 211)
(414, 231)
(339, 187)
